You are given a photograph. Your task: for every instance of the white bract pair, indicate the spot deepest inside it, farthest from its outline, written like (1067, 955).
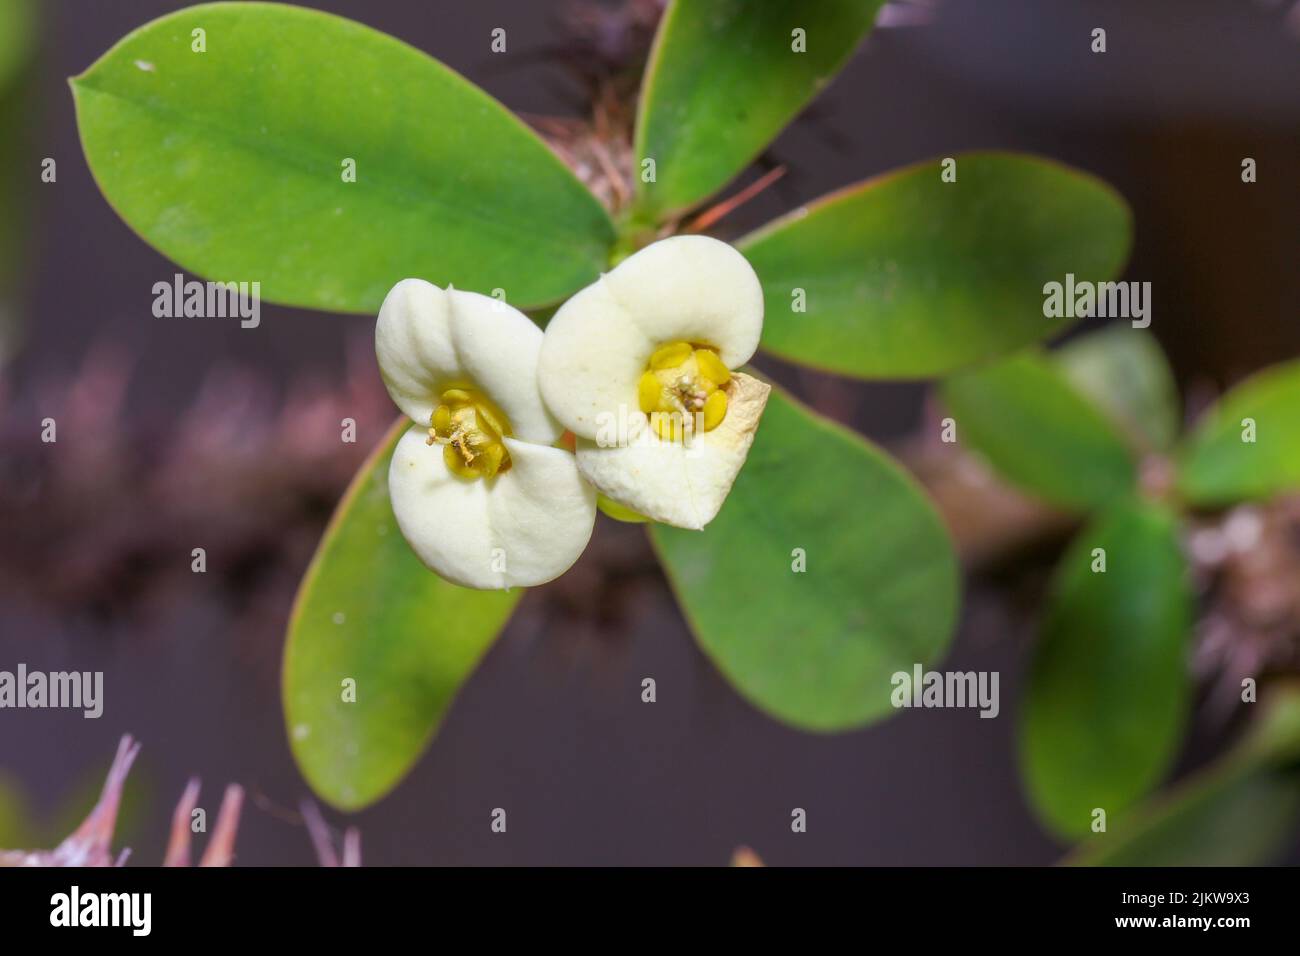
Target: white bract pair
(638, 366)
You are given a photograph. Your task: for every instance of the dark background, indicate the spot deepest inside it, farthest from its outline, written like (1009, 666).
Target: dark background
(551, 727)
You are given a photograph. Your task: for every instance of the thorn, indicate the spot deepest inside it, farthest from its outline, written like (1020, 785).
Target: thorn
(178, 845)
(221, 848)
(717, 211)
(97, 829)
(352, 847)
(319, 832)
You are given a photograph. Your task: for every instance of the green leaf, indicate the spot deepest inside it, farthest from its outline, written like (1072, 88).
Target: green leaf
(906, 276)
(368, 610)
(17, 40)
(1040, 433)
(1240, 811)
(17, 37)
(816, 649)
(231, 163)
(1108, 690)
(17, 829)
(1124, 372)
(1219, 466)
(724, 79)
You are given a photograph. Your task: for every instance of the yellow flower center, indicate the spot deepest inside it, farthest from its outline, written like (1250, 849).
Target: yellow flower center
(683, 388)
(470, 430)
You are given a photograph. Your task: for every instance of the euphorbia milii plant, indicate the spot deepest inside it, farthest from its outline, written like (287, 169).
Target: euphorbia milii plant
(809, 565)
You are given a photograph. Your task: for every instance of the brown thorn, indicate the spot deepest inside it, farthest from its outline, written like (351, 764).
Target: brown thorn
(715, 212)
(178, 845)
(221, 848)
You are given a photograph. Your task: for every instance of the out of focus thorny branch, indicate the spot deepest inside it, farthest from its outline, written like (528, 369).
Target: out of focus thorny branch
(103, 518)
(91, 843)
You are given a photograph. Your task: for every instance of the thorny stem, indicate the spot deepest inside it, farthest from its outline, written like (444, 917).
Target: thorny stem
(90, 843)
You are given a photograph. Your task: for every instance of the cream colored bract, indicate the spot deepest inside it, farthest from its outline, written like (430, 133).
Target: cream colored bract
(639, 366)
(479, 489)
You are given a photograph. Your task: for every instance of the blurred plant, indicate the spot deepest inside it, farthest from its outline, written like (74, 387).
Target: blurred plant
(90, 844)
(17, 40)
(229, 161)
(1092, 429)
(250, 475)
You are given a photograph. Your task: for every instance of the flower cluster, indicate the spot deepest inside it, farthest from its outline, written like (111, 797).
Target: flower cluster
(631, 392)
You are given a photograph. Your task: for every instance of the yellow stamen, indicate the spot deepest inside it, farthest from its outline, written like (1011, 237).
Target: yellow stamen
(715, 410)
(649, 392)
(670, 356)
(683, 389)
(471, 431)
(711, 366)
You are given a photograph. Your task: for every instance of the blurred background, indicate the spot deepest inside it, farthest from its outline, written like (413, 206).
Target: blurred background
(174, 435)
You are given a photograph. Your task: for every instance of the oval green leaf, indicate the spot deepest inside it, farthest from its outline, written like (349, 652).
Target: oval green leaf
(233, 162)
(908, 276)
(1248, 445)
(1108, 690)
(1040, 433)
(724, 78)
(1124, 372)
(816, 648)
(1240, 811)
(369, 611)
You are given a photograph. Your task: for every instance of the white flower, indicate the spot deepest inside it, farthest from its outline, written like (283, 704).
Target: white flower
(638, 367)
(478, 488)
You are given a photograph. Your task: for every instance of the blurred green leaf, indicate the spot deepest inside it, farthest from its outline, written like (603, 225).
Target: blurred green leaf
(17, 41)
(906, 276)
(1124, 371)
(1108, 690)
(816, 649)
(17, 829)
(370, 611)
(1039, 432)
(1218, 467)
(1240, 811)
(231, 162)
(723, 80)
(17, 37)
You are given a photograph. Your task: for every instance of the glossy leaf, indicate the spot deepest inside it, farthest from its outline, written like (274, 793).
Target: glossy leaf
(1108, 690)
(1124, 372)
(724, 78)
(907, 276)
(369, 611)
(1240, 811)
(1039, 432)
(816, 649)
(1220, 466)
(232, 162)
